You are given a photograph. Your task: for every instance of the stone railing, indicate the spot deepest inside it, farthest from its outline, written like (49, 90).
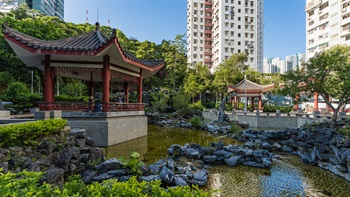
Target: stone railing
(91, 107)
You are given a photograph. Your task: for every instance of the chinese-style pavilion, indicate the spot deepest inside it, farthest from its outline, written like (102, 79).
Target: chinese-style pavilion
(249, 89)
(92, 56)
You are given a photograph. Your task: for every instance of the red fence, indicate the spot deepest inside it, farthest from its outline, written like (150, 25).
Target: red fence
(91, 107)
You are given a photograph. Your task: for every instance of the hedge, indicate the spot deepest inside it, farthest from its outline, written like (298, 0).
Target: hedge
(29, 133)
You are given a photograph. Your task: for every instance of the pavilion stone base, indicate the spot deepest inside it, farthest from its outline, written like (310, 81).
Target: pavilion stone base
(4, 114)
(109, 128)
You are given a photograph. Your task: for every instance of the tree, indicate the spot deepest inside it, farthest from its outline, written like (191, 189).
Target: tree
(197, 81)
(74, 87)
(328, 73)
(230, 72)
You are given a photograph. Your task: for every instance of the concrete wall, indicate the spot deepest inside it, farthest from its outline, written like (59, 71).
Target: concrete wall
(109, 128)
(4, 114)
(264, 121)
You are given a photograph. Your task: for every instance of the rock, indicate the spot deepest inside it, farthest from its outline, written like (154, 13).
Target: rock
(43, 161)
(80, 142)
(34, 167)
(2, 157)
(233, 161)
(230, 148)
(78, 133)
(179, 181)
(342, 168)
(306, 158)
(124, 178)
(266, 145)
(102, 177)
(154, 169)
(209, 158)
(90, 142)
(287, 149)
(150, 178)
(87, 176)
(217, 145)
(54, 176)
(119, 172)
(144, 170)
(254, 164)
(97, 154)
(336, 153)
(222, 153)
(250, 145)
(193, 153)
(171, 164)
(276, 145)
(267, 162)
(200, 178)
(5, 167)
(111, 164)
(167, 175)
(174, 149)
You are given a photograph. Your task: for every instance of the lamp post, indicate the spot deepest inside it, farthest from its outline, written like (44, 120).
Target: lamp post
(245, 93)
(31, 83)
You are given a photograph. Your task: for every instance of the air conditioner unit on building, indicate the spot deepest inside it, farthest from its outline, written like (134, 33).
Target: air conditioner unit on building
(344, 10)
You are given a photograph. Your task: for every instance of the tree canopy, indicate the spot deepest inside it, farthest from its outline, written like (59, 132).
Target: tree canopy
(327, 73)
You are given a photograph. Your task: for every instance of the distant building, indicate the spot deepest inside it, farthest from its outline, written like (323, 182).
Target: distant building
(327, 25)
(276, 65)
(216, 29)
(47, 7)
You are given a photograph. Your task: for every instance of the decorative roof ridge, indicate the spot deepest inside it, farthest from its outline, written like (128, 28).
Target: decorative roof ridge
(251, 82)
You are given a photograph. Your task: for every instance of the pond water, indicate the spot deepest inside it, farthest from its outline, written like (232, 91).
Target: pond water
(287, 177)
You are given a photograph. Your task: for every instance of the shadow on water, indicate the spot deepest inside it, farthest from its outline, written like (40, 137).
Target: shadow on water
(287, 177)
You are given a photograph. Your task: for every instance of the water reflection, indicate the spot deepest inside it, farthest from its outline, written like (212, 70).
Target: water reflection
(287, 177)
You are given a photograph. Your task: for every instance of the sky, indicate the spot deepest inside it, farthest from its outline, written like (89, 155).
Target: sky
(155, 20)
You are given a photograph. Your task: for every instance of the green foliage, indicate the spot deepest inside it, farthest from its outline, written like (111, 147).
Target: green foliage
(132, 162)
(197, 81)
(209, 105)
(181, 103)
(67, 98)
(26, 184)
(197, 106)
(196, 122)
(159, 100)
(235, 129)
(326, 73)
(74, 88)
(29, 133)
(273, 108)
(345, 131)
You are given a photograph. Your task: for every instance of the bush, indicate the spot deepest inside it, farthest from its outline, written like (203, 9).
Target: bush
(29, 133)
(196, 122)
(26, 184)
(67, 98)
(197, 106)
(181, 103)
(273, 108)
(235, 129)
(159, 100)
(209, 105)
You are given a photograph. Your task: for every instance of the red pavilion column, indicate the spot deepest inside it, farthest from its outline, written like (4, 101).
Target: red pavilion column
(253, 103)
(235, 102)
(106, 77)
(126, 86)
(54, 80)
(48, 92)
(140, 87)
(316, 101)
(260, 103)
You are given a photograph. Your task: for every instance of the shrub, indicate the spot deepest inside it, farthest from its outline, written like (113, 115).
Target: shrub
(67, 98)
(29, 133)
(235, 129)
(26, 184)
(197, 106)
(132, 163)
(181, 103)
(159, 100)
(209, 105)
(196, 122)
(345, 131)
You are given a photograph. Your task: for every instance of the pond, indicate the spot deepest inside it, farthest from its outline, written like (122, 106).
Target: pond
(287, 177)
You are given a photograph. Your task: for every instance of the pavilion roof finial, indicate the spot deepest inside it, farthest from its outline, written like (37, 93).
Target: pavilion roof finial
(97, 28)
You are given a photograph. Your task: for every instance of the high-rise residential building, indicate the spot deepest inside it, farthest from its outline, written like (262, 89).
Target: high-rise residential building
(47, 7)
(276, 65)
(216, 29)
(327, 24)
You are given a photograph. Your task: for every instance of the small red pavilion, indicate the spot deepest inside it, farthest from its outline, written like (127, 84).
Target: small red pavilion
(92, 57)
(248, 89)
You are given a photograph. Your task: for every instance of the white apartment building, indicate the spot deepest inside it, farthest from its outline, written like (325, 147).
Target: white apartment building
(327, 24)
(277, 65)
(216, 29)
